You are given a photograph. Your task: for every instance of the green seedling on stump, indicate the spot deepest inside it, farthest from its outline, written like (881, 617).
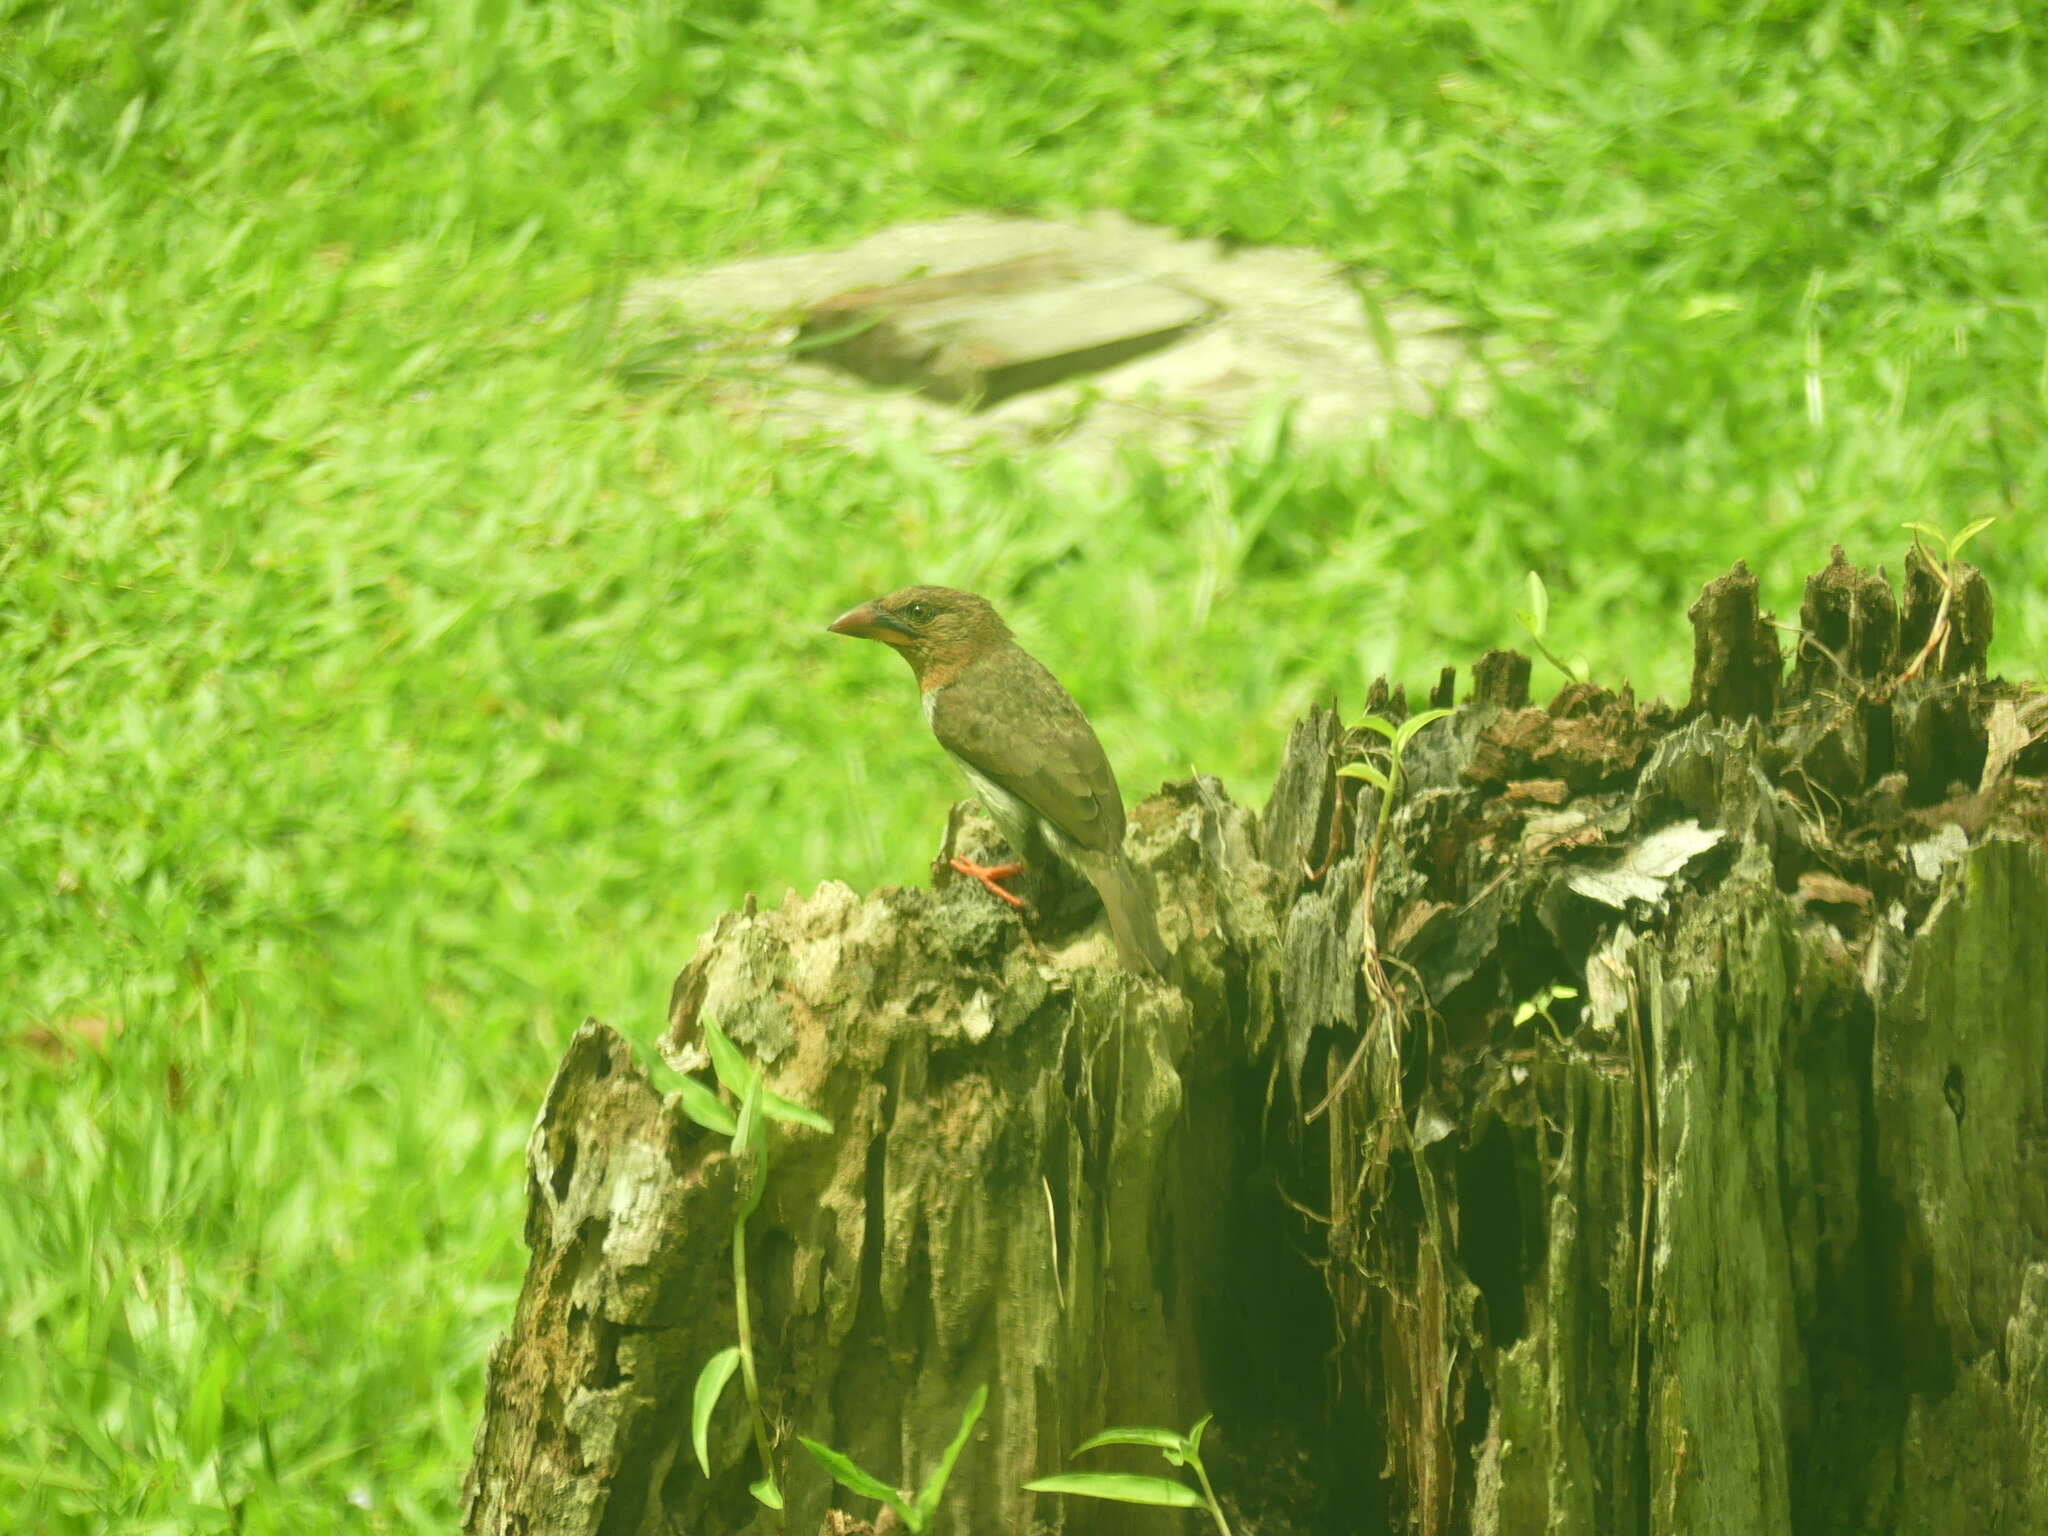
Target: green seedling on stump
(1951, 546)
(915, 1513)
(1947, 572)
(1130, 1488)
(1388, 782)
(749, 1132)
(1538, 1007)
(1536, 619)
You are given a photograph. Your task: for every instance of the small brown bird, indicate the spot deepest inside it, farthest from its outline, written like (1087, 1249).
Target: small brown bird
(1024, 745)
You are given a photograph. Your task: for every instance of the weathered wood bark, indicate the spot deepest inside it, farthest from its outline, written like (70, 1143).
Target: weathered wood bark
(1652, 1136)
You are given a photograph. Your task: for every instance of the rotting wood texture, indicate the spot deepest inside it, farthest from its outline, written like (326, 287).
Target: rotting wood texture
(1652, 1136)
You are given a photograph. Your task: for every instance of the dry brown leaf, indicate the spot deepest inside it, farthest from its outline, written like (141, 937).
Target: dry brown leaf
(1832, 891)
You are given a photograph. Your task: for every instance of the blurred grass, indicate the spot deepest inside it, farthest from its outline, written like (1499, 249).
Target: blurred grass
(383, 687)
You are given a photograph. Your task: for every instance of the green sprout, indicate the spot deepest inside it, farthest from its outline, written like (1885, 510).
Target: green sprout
(1536, 619)
(749, 1132)
(1951, 548)
(1945, 572)
(1538, 1007)
(1131, 1488)
(1388, 782)
(915, 1513)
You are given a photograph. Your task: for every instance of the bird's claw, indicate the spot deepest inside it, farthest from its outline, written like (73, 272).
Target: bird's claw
(988, 875)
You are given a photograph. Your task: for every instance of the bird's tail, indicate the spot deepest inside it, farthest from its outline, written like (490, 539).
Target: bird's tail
(1131, 921)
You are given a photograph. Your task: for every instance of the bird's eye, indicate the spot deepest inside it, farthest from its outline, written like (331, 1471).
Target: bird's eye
(919, 613)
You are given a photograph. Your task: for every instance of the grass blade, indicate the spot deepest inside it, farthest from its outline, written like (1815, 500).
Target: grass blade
(935, 1485)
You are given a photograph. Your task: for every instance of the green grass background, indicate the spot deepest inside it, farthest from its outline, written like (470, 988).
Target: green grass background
(383, 687)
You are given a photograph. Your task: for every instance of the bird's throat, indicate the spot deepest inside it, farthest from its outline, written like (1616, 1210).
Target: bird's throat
(933, 673)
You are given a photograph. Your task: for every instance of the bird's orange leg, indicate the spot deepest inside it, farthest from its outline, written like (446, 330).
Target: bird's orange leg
(989, 874)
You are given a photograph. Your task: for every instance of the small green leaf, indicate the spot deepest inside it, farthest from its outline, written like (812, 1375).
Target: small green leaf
(1367, 772)
(1194, 1441)
(845, 1470)
(766, 1491)
(749, 1129)
(707, 1108)
(736, 1072)
(1968, 534)
(1538, 616)
(776, 1107)
(928, 1496)
(1415, 723)
(1131, 1434)
(726, 1060)
(710, 1383)
(1124, 1487)
(1559, 994)
(1375, 723)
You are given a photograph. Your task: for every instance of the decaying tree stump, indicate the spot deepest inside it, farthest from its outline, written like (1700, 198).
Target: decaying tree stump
(1651, 1136)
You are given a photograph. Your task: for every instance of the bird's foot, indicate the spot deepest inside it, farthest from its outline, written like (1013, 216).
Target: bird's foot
(988, 875)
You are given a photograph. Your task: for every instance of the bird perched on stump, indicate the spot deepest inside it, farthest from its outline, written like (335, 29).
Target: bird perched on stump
(1024, 745)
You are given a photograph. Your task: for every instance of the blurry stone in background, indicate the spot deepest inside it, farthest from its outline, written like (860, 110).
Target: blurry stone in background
(977, 337)
(1084, 336)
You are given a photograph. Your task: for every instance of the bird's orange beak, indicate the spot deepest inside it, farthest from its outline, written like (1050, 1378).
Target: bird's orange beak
(867, 622)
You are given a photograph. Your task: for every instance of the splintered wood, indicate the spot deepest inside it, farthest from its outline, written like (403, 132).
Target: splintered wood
(1644, 1137)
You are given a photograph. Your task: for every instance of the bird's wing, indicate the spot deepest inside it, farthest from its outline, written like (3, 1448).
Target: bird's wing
(1011, 721)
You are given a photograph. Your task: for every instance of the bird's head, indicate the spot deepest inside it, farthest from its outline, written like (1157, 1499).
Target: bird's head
(939, 630)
